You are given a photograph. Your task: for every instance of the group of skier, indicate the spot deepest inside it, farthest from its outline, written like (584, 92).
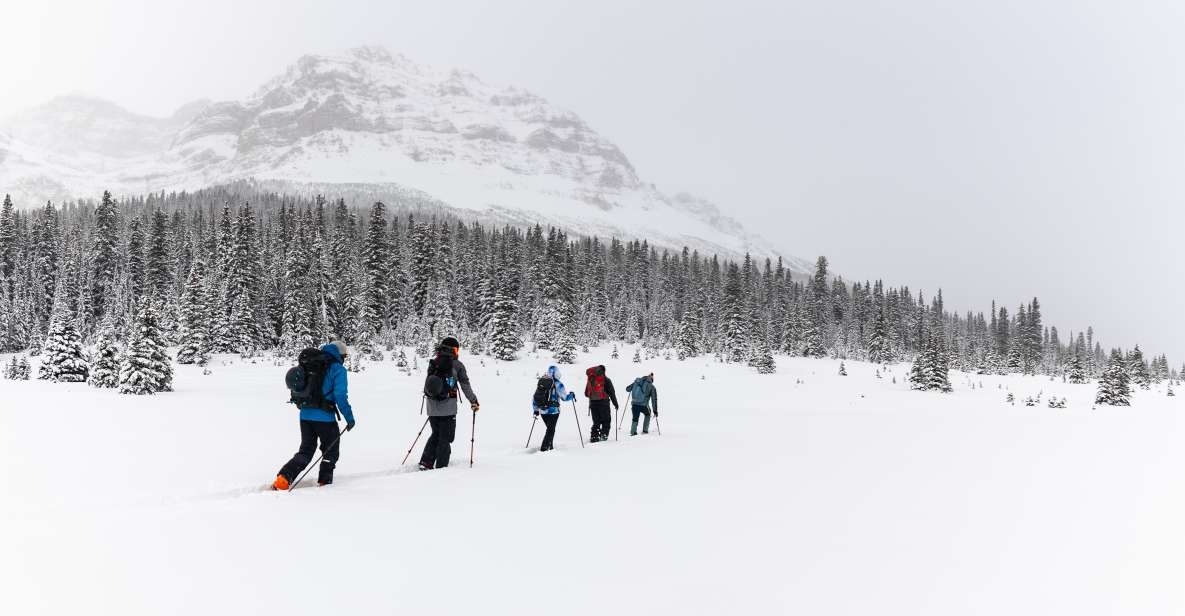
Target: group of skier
(318, 387)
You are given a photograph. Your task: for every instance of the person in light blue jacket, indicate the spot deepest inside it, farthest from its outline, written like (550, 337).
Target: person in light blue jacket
(319, 423)
(546, 403)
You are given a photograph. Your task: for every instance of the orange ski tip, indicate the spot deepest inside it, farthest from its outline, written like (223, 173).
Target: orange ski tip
(281, 483)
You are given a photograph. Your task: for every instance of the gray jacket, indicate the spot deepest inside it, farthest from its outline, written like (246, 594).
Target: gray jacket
(448, 406)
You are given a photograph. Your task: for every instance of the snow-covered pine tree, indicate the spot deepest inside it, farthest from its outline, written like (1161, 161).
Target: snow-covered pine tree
(843, 371)
(762, 357)
(880, 345)
(195, 317)
(104, 368)
(1075, 370)
(736, 334)
(1138, 369)
(502, 329)
(63, 360)
(1114, 386)
(637, 359)
(687, 342)
(144, 367)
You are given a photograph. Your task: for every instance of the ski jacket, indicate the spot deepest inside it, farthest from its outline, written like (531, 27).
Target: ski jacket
(448, 406)
(558, 393)
(334, 388)
(610, 391)
(643, 393)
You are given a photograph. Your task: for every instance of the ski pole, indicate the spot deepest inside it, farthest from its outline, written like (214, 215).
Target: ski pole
(413, 443)
(532, 432)
(617, 435)
(656, 424)
(473, 437)
(318, 460)
(578, 430)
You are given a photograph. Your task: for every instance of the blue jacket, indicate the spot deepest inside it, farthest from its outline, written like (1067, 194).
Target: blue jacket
(334, 389)
(558, 393)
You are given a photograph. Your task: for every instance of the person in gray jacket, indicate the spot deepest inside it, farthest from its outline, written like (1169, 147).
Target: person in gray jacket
(642, 395)
(446, 374)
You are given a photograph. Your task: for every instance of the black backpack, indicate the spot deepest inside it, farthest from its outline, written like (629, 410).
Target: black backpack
(543, 389)
(306, 380)
(441, 384)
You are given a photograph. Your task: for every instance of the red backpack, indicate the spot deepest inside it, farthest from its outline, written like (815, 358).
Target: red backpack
(595, 389)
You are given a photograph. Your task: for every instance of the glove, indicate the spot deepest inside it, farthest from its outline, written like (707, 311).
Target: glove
(475, 406)
(536, 413)
(350, 425)
(656, 412)
(571, 396)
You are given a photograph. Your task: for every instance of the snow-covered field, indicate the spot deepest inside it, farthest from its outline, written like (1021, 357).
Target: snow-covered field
(764, 495)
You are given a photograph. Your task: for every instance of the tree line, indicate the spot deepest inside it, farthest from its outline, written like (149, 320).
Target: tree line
(223, 270)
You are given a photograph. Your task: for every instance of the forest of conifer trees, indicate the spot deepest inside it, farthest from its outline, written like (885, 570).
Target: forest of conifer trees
(219, 271)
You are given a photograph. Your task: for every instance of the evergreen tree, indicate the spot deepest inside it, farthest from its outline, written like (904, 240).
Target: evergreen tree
(504, 340)
(1076, 371)
(104, 240)
(144, 367)
(195, 318)
(1138, 368)
(736, 327)
(8, 239)
(104, 368)
(880, 346)
(376, 260)
(687, 342)
(1114, 386)
(62, 351)
(762, 358)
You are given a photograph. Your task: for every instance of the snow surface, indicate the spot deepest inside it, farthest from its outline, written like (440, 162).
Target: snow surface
(836, 495)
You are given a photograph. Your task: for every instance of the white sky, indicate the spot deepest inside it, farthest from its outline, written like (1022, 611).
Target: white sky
(1002, 149)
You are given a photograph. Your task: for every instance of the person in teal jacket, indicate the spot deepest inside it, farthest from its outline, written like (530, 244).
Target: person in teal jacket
(320, 424)
(643, 395)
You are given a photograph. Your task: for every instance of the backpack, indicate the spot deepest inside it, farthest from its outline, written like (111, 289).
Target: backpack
(543, 389)
(306, 380)
(441, 383)
(595, 388)
(639, 393)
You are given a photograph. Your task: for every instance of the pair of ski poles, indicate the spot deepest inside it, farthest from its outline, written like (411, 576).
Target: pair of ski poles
(579, 430)
(472, 436)
(617, 436)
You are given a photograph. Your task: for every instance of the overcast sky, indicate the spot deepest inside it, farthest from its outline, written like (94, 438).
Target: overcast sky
(1001, 149)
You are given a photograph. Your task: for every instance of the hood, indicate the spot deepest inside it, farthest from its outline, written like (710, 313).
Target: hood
(595, 371)
(332, 351)
(554, 372)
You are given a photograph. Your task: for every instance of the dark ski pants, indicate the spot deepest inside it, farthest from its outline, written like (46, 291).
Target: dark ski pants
(440, 443)
(310, 432)
(640, 410)
(549, 436)
(602, 419)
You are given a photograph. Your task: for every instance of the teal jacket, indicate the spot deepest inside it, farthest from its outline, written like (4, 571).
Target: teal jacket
(643, 393)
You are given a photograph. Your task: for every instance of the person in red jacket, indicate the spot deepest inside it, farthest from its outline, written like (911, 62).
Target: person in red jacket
(599, 391)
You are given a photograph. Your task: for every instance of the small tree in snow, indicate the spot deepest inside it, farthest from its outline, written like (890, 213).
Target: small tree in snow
(843, 371)
(637, 356)
(145, 368)
(105, 365)
(1114, 386)
(762, 358)
(18, 370)
(64, 361)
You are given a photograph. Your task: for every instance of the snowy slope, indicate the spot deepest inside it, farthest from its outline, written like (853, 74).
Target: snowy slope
(368, 117)
(836, 495)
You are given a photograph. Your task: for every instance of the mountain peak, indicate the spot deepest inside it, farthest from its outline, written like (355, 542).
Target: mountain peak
(366, 116)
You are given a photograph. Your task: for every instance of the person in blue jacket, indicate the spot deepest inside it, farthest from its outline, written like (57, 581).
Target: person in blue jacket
(550, 412)
(320, 424)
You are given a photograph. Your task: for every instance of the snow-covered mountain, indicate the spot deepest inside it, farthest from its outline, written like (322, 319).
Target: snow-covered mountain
(367, 117)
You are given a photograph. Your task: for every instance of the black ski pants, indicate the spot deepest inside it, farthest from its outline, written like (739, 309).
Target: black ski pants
(310, 433)
(602, 419)
(549, 436)
(440, 443)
